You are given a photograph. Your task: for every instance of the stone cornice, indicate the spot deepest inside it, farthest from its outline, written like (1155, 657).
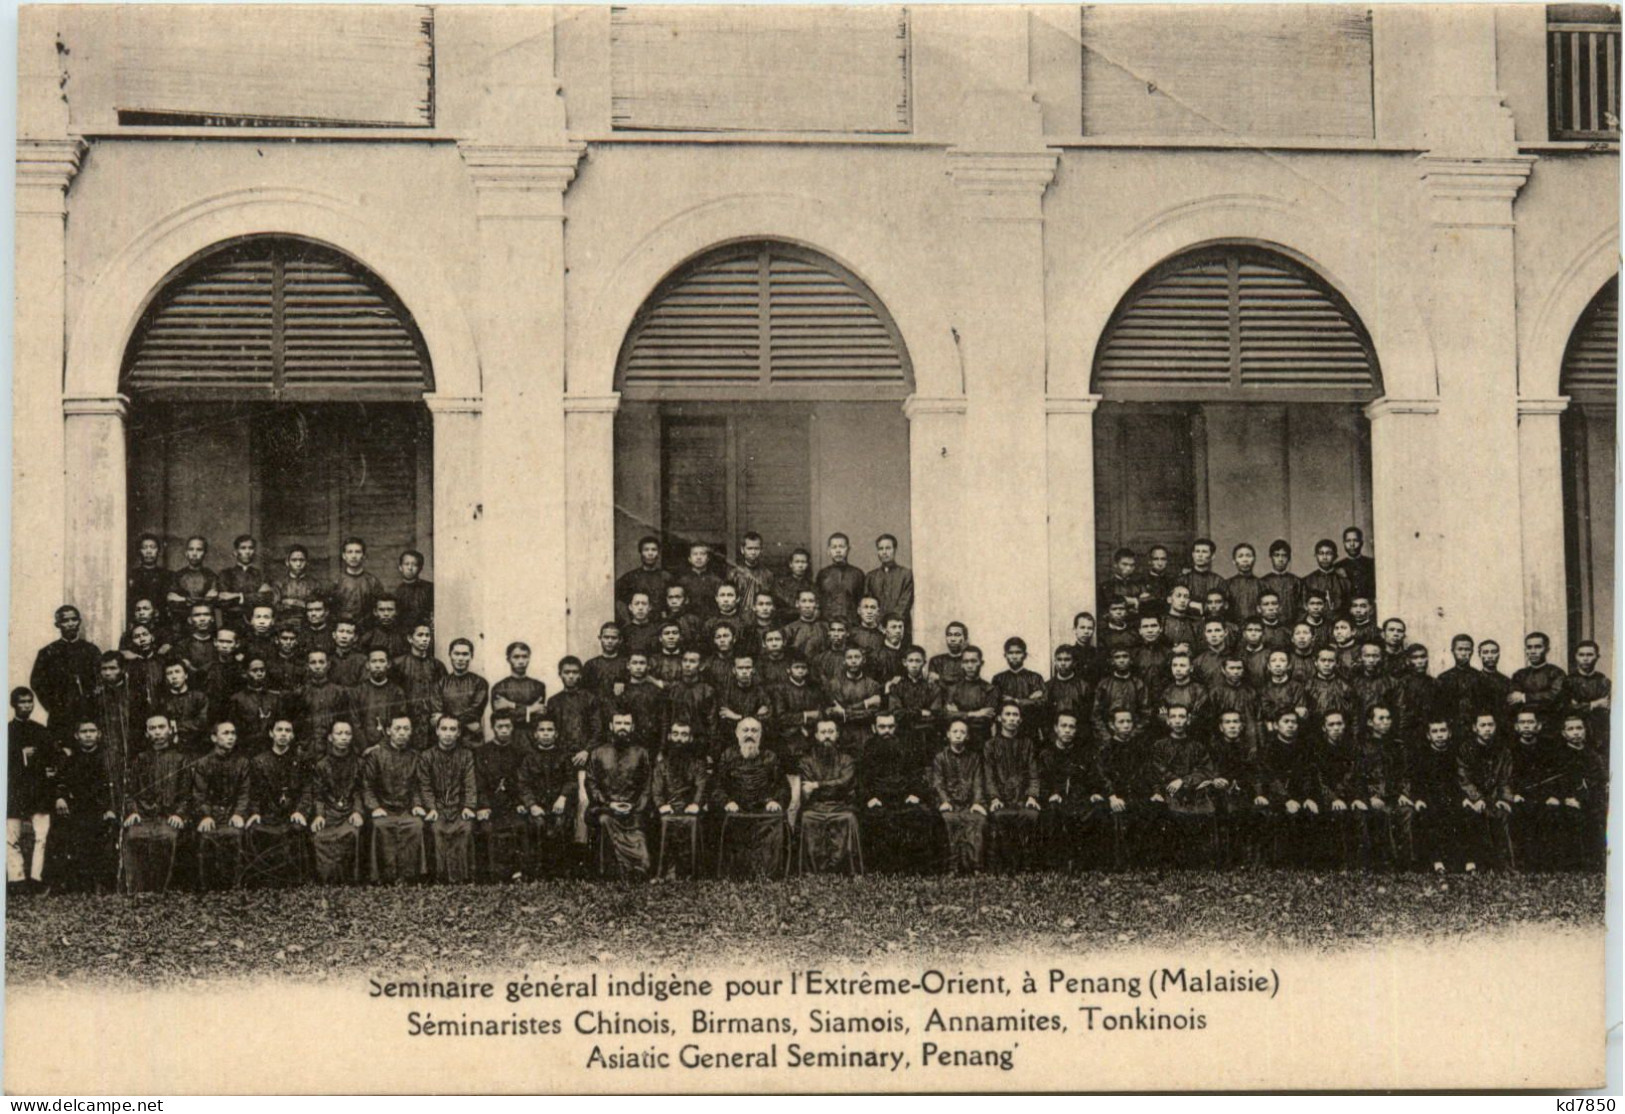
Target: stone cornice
(592, 404)
(1473, 192)
(917, 405)
(1003, 185)
(1385, 407)
(1547, 406)
(117, 406)
(454, 404)
(1086, 404)
(45, 169)
(521, 182)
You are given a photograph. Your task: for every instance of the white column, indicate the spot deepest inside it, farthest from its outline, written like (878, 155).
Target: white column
(1473, 311)
(96, 515)
(940, 545)
(1540, 515)
(458, 509)
(45, 167)
(1409, 547)
(1070, 441)
(520, 204)
(589, 515)
(1001, 315)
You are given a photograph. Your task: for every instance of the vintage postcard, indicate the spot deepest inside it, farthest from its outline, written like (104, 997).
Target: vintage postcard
(811, 549)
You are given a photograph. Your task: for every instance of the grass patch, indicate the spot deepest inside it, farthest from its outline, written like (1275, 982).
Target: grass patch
(313, 934)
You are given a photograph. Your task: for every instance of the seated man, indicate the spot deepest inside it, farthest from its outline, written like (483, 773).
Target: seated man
(84, 837)
(1292, 780)
(1010, 768)
(829, 824)
(1187, 777)
(751, 790)
(392, 795)
(961, 794)
(333, 802)
(1529, 784)
(1380, 828)
(1581, 786)
(1238, 784)
(1129, 783)
(220, 800)
(901, 826)
(619, 773)
(681, 775)
(274, 840)
(154, 811)
(548, 792)
(449, 795)
(1075, 812)
(499, 820)
(1431, 786)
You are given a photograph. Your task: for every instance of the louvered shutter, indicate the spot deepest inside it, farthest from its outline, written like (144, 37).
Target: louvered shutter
(277, 319)
(1236, 323)
(763, 317)
(1591, 364)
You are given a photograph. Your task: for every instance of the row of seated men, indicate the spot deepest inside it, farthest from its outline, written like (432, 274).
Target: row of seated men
(1325, 793)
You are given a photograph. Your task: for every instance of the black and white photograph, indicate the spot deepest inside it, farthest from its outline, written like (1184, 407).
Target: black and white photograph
(949, 548)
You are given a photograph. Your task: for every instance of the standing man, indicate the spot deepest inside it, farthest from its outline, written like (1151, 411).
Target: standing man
(840, 586)
(296, 588)
(30, 755)
(356, 589)
(750, 577)
(414, 595)
(242, 585)
(700, 581)
(64, 674)
(1327, 579)
(891, 583)
(463, 693)
(519, 694)
(148, 579)
(650, 577)
(1540, 686)
(1359, 570)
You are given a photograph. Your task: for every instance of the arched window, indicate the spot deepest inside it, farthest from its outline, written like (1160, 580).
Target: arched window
(1239, 323)
(276, 318)
(1591, 363)
(763, 318)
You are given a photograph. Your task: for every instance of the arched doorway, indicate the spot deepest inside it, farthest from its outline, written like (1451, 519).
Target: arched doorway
(762, 387)
(1590, 379)
(276, 389)
(1232, 379)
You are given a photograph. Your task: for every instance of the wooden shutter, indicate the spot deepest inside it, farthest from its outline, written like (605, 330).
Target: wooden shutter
(269, 65)
(1239, 323)
(1591, 364)
(763, 317)
(719, 68)
(1249, 70)
(775, 481)
(695, 474)
(277, 319)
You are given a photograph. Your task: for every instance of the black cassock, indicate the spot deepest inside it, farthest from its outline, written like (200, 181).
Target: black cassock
(752, 839)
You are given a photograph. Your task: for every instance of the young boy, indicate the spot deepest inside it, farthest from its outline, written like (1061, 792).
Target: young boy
(1120, 689)
(577, 713)
(1086, 656)
(448, 790)
(649, 577)
(890, 583)
(808, 634)
(1159, 581)
(1118, 632)
(797, 579)
(601, 674)
(1021, 686)
(413, 595)
(1122, 583)
(348, 662)
(1182, 623)
(356, 588)
(295, 588)
(148, 579)
(1200, 579)
(641, 632)
(1359, 570)
(187, 709)
(1327, 579)
(840, 585)
(419, 674)
(522, 696)
(242, 585)
(970, 698)
(1243, 588)
(681, 608)
(1277, 630)
(463, 693)
(387, 633)
(750, 577)
(191, 584)
(699, 581)
(947, 667)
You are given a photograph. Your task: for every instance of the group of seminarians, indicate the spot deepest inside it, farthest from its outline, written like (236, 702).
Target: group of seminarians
(771, 717)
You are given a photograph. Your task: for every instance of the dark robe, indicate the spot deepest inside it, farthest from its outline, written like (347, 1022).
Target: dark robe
(389, 781)
(499, 839)
(159, 788)
(447, 787)
(414, 599)
(375, 706)
(520, 693)
(957, 781)
(220, 793)
(752, 838)
(419, 678)
(64, 681)
(353, 594)
(621, 773)
(82, 853)
(464, 696)
(601, 674)
(829, 823)
(275, 849)
(333, 795)
(545, 775)
(840, 588)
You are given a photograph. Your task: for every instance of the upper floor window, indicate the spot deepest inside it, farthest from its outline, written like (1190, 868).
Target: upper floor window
(772, 68)
(1582, 61)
